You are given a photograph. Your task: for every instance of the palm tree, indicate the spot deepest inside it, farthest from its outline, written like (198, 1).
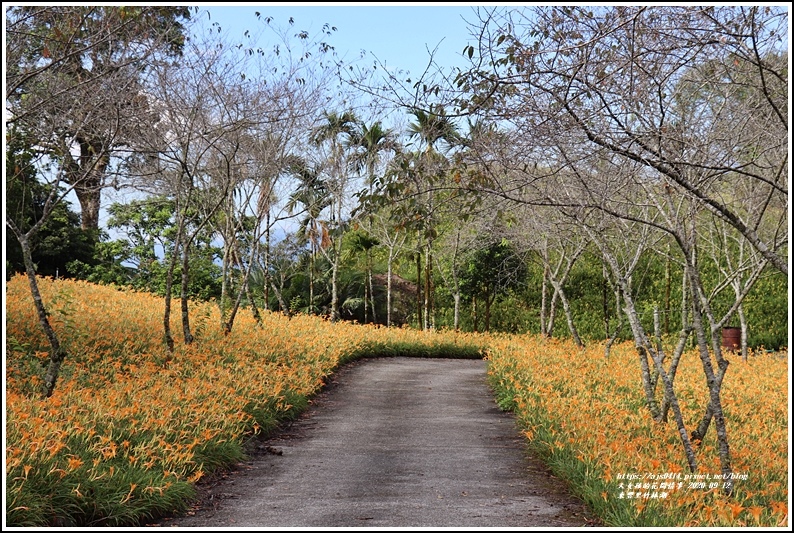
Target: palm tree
(364, 242)
(311, 195)
(370, 143)
(336, 130)
(333, 125)
(431, 127)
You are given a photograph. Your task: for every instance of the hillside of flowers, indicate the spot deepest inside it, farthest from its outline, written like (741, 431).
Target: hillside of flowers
(585, 414)
(127, 432)
(130, 429)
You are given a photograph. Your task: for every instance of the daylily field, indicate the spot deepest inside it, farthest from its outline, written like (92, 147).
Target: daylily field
(128, 433)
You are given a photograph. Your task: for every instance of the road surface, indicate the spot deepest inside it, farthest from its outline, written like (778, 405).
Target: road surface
(393, 442)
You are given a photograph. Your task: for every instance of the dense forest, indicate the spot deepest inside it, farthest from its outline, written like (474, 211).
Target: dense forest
(596, 173)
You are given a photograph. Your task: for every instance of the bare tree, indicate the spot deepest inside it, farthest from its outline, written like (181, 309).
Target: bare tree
(390, 236)
(622, 226)
(694, 94)
(677, 214)
(652, 115)
(74, 82)
(739, 264)
(275, 113)
(275, 97)
(180, 155)
(557, 245)
(73, 97)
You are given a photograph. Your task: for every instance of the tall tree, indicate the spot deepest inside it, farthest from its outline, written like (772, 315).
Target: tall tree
(73, 87)
(370, 142)
(334, 134)
(75, 82)
(313, 199)
(695, 95)
(432, 128)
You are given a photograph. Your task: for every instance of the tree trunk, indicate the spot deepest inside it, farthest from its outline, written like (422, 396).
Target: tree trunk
(266, 288)
(543, 300)
(283, 307)
(419, 288)
(169, 338)
(169, 287)
(184, 296)
(605, 301)
(456, 313)
(334, 288)
(684, 302)
(57, 352)
(89, 195)
(86, 176)
(743, 324)
(552, 318)
(455, 282)
(366, 296)
(230, 258)
(244, 287)
(642, 351)
(311, 280)
(568, 315)
(428, 287)
(388, 292)
(336, 246)
(714, 382)
(679, 419)
(371, 288)
(679, 350)
(618, 327)
(474, 316)
(645, 350)
(657, 335)
(224, 284)
(742, 318)
(668, 281)
(227, 328)
(254, 308)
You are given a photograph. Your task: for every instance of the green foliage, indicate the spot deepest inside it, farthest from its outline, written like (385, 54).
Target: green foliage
(767, 312)
(96, 499)
(593, 302)
(107, 266)
(409, 349)
(512, 314)
(46, 29)
(492, 269)
(30, 365)
(141, 259)
(60, 238)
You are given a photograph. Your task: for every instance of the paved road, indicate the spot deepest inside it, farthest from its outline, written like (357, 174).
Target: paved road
(394, 442)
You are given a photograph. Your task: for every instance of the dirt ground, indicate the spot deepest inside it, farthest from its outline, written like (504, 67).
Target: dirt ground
(391, 442)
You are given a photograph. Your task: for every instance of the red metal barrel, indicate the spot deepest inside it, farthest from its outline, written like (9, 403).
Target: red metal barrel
(731, 339)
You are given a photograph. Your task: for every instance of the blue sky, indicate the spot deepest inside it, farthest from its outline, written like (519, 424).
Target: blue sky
(397, 34)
